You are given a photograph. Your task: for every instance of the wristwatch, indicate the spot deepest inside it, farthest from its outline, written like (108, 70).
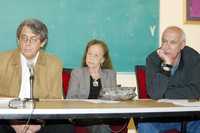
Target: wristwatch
(166, 67)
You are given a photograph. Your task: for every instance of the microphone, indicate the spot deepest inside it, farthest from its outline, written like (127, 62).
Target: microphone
(30, 66)
(31, 71)
(27, 102)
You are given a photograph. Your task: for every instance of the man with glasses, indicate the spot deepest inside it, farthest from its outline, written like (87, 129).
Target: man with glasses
(32, 35)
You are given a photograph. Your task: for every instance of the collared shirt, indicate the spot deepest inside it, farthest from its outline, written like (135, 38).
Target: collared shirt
(25, 84)
(174, 68)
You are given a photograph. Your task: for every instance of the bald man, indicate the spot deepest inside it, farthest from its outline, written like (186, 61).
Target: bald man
(173, 72)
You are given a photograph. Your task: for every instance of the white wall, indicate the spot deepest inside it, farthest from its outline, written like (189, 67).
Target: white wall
(127, 79)
(172, 13)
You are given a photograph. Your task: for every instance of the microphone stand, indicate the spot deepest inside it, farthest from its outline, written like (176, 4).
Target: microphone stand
(31, 70)
(19, 103)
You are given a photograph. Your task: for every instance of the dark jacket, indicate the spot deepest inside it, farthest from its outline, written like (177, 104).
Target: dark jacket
(184, 84)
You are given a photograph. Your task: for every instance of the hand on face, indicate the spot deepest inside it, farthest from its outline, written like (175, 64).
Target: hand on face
(172, 44)
(165, 57)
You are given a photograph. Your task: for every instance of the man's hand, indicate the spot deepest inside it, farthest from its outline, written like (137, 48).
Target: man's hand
(21, 128)
(164, 56)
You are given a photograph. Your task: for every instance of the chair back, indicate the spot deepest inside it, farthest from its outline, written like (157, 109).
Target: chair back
(66, 73)
(140, 72)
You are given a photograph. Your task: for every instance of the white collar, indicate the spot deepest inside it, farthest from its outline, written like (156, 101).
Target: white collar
(25, 82)
(33, 60)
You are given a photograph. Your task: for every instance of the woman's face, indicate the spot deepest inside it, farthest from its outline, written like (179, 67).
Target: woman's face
(94, 56)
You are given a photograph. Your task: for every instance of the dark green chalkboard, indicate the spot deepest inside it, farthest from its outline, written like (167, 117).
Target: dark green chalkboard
(125, 25)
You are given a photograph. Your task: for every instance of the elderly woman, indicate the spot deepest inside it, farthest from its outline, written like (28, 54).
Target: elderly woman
(96, 73)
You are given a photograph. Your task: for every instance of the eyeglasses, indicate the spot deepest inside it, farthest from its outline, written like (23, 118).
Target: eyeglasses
(31, 40)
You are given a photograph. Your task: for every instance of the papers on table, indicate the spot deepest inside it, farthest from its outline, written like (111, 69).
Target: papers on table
(182, 102)
(94, 100)
(4, 102)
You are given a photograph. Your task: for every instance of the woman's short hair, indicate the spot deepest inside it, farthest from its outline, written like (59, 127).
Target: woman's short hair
(37, 27)
(107, 64)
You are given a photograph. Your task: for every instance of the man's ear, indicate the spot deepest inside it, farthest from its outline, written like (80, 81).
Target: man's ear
(183, 45)
(43, 44)
(18, 42)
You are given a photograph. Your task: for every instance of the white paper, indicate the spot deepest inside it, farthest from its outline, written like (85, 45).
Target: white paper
(182, 102)
(94, 100)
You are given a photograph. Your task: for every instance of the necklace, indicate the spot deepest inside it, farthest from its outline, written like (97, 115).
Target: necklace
(95, 83)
